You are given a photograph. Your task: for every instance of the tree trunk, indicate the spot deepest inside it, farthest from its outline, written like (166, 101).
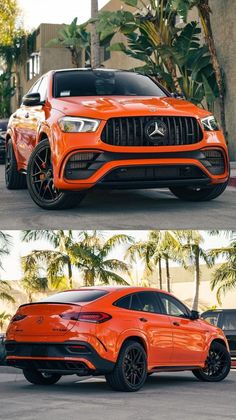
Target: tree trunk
(70, 275)
(172, 70)
(204, 13)
(95, 44)
(160, 273)
(196, 280)
(167, 273)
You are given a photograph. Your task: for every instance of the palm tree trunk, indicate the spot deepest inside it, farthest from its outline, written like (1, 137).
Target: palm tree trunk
(70, 275)
(160, 273)
(196, 280)
(167, 273)
(95, 44)
(204, 13)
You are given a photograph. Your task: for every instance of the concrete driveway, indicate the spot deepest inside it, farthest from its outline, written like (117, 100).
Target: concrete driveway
(169, 396)
(131, 209)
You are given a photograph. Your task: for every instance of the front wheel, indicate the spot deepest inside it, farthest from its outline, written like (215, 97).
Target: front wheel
(39, 378)
(218, 364)
(199, 194)
(40, 182)
(130, 371)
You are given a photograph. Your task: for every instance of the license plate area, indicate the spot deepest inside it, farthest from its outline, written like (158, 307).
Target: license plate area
(39, 351)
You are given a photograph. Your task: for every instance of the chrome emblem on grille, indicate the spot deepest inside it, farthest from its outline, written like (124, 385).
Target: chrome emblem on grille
(155, 131)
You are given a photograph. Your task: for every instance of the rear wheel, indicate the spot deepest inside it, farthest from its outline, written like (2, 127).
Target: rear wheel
(130, 372)
(40, 181)
(218, 364)
(199, 194)
(13, 178)
(38, 378)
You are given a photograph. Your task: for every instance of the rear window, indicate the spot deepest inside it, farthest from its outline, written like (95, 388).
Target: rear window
(75, 297)
(102, 83)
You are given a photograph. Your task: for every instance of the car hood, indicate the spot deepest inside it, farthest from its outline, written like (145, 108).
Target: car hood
(120, 106)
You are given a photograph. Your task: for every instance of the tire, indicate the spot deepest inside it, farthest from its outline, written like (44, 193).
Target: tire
(218, 364)
(37, 378)
(40, 182)
(13, 178)
(118, 379)
(199, 194)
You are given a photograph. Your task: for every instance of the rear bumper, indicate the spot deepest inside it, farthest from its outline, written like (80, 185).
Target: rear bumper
(70, 357)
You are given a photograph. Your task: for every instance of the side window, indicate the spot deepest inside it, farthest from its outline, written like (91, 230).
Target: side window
(124, 302)
(135, 303)
(212, 319)
(43, 88)
(229, 321)
(149, 302)
(172, 306)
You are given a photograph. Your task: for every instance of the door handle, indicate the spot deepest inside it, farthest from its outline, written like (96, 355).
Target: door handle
(177, 324)
(27, 115)
(143, 319)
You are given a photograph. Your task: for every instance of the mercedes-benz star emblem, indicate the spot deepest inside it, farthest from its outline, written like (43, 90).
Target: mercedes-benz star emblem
(40, 320)
(155, 131)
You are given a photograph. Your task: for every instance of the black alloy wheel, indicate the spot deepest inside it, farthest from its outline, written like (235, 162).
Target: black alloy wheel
(13, 178)
(41, 184)
(217, 366)
(130, 372)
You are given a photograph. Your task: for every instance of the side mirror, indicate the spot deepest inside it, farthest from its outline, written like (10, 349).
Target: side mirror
(194, 315)
(177, 95)
(32, 99)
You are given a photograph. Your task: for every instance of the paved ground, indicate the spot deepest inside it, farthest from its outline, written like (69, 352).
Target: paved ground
(165, 396)
(119, 210)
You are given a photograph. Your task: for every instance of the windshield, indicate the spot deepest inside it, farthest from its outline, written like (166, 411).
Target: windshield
(103, 83)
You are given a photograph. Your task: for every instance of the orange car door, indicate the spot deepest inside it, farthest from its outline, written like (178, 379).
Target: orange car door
(189, 338)
(156, 326)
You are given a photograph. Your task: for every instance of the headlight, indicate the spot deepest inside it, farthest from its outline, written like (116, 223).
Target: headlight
(78, 124)
(210, 123)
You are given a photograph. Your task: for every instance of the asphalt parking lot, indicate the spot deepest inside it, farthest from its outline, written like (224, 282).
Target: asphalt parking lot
(169, 396)
(130, 209)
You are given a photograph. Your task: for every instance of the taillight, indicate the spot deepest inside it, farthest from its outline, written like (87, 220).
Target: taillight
(17, 317)
(96, 317)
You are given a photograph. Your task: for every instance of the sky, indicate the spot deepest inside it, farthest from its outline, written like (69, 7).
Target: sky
(11, 263)
(55, 11)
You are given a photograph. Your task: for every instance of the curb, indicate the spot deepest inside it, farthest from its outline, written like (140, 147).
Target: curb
(232, 181)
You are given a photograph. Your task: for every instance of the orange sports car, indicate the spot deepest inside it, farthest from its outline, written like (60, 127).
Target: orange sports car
(82, 128)
(124, 333)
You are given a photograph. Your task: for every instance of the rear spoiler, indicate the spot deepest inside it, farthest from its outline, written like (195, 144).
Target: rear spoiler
(49, 303)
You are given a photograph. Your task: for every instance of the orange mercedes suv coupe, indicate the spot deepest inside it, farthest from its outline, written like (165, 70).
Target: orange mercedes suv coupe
(124, 333)
(82, 128)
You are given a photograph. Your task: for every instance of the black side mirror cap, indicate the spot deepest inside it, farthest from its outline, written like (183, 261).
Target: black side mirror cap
(194, 315)
(32, 99)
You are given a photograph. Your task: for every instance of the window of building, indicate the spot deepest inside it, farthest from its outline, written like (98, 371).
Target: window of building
(33, 66)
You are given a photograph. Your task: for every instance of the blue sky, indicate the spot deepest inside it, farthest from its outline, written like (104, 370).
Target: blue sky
(55, 11)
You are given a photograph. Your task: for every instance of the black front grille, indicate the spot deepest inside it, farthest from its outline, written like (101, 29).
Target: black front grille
(135, 131)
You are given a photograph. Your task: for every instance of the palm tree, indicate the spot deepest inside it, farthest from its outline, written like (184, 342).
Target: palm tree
(95, 42)
(5, 288)
(91, 257)
(224, 277)
(32, 281)
(76, 39)
(160, 246)
(4, 317)
(88, 254)
(56, 260)
(193, 253)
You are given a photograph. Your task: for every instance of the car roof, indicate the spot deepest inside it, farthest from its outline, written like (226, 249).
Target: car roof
(218, 310)
(130, 289)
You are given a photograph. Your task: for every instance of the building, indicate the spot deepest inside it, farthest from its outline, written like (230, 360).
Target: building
(45, 57)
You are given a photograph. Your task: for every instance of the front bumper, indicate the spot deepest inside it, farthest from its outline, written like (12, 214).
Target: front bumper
(69, 357)
(135, 167)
